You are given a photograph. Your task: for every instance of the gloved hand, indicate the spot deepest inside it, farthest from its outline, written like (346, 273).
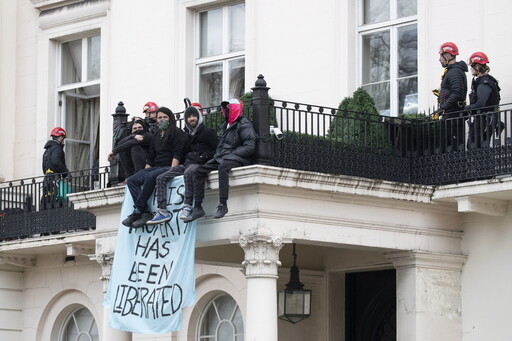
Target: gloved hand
(436, 92)
(437, 113)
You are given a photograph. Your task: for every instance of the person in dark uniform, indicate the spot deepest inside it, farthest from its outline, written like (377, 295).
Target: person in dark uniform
(483, 98)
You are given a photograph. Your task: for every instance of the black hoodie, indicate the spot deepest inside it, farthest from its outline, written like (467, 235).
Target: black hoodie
(454, 87)
(54, 158)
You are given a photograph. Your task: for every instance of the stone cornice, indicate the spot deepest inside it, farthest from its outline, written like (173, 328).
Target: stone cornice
(58, 13)
(97, 198)
(329, 183)
(429, 260)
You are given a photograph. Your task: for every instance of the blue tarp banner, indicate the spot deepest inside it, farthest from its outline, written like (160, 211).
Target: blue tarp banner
(152, 276)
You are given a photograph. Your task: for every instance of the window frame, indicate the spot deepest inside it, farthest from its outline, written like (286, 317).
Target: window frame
(225, 57)
(392, 26)
(213, 302)
(72, 317)
(62, 92)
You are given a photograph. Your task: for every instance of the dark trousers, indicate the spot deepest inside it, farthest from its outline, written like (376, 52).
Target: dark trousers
(195, 179)
(133, 160)
(145, 178)
(161, 184)
(452, 132)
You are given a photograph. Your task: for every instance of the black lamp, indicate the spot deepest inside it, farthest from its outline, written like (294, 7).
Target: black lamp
(294, 303)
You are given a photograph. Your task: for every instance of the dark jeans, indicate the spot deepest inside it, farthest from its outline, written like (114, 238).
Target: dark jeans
(145, 178)
(133, 159)
(195, 179)
(452, 132)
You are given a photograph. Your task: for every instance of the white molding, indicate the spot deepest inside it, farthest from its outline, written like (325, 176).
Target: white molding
(18, 260)
(487, 206)
(73, 14)
(97, 198)
(431, 260)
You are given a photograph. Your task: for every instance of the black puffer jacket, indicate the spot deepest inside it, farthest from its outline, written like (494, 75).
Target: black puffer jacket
(129, 141)
(202, 140)
(238, 142)
(54, 158)
(454, 87)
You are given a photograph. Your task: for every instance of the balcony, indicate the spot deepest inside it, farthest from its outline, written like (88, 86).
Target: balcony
(319, 139)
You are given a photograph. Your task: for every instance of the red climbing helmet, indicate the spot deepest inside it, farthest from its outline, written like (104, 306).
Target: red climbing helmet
(450, 48)
(479, 58)
(58, 131)
(150, 107)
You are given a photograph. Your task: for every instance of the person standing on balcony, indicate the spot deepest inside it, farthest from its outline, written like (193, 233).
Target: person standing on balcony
(167, 150)
(202, 141)
(484, 97)
(54, 166)
(236, 146)
(149, 109)
(451, 96)
(133, 149)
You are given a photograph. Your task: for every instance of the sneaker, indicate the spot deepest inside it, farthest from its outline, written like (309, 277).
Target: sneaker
(185, 212)
(160, 217)
(143, 219)
(130, 219)
(197, 212)
(221, 211)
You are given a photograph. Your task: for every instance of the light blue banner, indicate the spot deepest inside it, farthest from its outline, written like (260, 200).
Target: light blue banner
(152, 276)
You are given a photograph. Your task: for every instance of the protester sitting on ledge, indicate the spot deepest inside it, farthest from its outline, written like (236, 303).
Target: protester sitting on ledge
(237, 145)
(133, 149)
(167, 150)
(202, 141)
(484, 97)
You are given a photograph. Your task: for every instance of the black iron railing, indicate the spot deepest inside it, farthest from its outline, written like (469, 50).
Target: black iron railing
(459, 148)
(40, 206)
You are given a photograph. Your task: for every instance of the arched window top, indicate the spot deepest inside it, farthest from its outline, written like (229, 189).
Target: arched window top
(221, 320)
(79, 326)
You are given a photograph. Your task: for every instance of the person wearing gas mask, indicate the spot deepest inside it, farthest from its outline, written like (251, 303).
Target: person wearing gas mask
(202, 143)
(167, 150)
(236, 146)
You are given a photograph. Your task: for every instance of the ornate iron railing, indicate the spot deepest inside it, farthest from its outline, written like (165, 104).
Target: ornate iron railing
(460, 148)
(39, 206)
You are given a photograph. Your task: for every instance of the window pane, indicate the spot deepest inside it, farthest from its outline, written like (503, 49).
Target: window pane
(376, 57)
(225, 305)
(211, 33)
(408, 95)
(225, 332)
(237, 28)
(407, 51)
(406, 8)
(238, 322)
(236, 78)
(210, 84)
(77, 119)
(93, 57)
(71, 69)
(209, 322)
(376, 11)
(380, 94)
(80, 326)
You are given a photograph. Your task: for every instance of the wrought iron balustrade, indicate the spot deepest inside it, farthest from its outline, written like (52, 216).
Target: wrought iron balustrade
(39, 205)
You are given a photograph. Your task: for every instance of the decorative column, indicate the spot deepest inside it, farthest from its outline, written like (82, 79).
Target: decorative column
(428, 295)
(261, 262)
(117, 173)
(111, 334)
(260, 120)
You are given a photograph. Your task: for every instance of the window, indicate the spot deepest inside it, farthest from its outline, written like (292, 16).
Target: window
(80, 325)
(389, 54)
(221, 320)
(221, 54)
(78, 92)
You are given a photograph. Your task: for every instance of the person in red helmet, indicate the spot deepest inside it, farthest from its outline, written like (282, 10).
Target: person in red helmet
(484, 97)
(150, 110)
(451, 97)
(54, 166)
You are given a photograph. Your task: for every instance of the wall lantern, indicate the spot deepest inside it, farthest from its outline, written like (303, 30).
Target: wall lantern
(294, 303)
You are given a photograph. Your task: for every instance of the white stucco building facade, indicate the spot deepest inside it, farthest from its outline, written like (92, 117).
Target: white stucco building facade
(445, 247)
